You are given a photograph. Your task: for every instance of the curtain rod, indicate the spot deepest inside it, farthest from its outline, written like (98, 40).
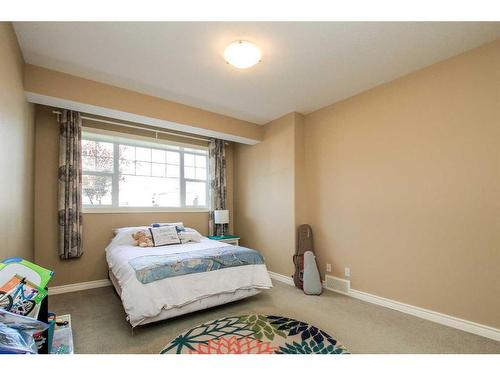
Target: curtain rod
(138, 127)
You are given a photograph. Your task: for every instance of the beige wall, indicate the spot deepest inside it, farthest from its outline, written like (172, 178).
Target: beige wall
(16, 152)
(59, 85)
(300, 183)
(403, 187)
(97, 227)
(264, 178)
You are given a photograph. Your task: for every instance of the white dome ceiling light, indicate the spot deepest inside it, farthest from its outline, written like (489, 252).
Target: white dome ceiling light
(242, 54)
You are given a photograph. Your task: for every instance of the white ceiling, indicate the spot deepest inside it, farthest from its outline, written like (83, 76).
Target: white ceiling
(305, 66)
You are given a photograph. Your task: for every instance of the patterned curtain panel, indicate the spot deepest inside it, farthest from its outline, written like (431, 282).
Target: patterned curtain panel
(70, 184)
(217, 175)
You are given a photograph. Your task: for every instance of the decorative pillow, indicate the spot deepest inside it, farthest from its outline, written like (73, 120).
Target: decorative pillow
(189, 235)
(164, 235)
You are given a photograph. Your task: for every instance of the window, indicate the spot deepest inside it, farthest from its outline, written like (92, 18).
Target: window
(121, 172)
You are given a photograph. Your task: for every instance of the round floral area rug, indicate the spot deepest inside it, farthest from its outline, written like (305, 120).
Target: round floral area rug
(254, 334)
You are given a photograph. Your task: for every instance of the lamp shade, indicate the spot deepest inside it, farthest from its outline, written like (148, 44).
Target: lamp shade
(221, 216)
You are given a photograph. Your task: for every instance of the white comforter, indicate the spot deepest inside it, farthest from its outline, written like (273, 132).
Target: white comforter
(142, 301)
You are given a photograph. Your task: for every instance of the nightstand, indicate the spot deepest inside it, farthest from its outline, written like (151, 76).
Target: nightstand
(228, 238)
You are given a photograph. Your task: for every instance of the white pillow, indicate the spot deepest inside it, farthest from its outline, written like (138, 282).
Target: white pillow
(189, 235)
(123, 236)
(124, 229)
(179, 224)
(165, 235)
(143, 227)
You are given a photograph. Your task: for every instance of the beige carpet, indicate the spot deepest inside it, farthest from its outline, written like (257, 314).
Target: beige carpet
(99, 324)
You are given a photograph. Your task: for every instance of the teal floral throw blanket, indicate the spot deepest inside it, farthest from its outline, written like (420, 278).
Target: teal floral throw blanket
(151, 268)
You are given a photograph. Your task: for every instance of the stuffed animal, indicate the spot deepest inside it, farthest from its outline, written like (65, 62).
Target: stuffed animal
(142, 239)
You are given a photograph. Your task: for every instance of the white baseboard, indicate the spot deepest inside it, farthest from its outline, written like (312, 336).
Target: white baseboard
(78, 286)
(434, 316)
(284, 279)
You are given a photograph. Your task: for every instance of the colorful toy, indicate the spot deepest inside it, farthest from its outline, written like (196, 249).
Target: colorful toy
(22, 285)
(20, 296)
(32, 272)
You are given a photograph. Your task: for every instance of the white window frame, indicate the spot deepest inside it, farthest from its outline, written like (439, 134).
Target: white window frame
(139, 141)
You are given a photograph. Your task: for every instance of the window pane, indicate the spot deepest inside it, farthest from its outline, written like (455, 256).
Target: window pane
(88, 148)
(173, 158)
(143, 154)
(96, 190)
(88, 163)
(143, 169)
(104, 163)
(201, 174)
(201, 161)
(158, 170)
(189, 172)
(104, 149)
(173, 171)
(127, 152)
(158, 156)
(97, 156)
(139, 191)
(189, 160)
(195, 193)
(127, 166)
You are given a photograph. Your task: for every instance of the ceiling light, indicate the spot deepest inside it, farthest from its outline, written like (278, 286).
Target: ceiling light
(242, 54)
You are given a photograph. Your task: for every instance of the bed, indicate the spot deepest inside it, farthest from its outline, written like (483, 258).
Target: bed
(173, 296)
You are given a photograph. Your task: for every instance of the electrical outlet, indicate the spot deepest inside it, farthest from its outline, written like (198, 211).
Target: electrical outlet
(347, 272)
(328, 267)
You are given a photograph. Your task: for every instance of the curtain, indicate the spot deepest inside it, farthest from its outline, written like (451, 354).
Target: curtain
(217, 176)
(70, 184)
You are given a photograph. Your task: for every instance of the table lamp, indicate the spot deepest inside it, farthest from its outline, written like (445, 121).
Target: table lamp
(221, 217)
